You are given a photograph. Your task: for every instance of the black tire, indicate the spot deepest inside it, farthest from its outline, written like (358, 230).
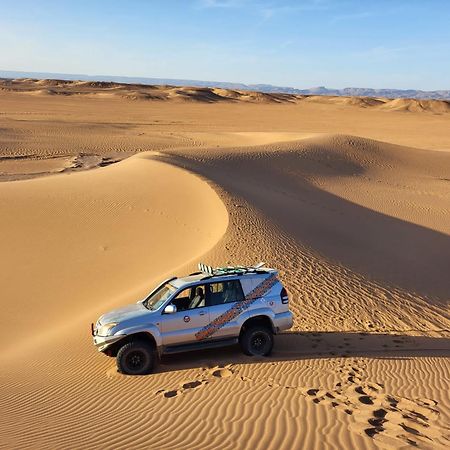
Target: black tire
(136, 358)
(257, 341)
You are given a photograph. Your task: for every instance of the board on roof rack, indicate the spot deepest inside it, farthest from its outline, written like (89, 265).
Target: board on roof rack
(210, 271)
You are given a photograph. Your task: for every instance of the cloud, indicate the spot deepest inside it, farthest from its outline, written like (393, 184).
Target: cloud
(384, 53)
(352, 16)
(392, 10)
(268, 10)
(222, 3)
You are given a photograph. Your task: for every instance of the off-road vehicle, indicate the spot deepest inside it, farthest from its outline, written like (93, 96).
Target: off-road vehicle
(209, 308)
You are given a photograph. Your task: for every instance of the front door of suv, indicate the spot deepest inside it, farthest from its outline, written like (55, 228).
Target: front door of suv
(222, 297)
(191, 316)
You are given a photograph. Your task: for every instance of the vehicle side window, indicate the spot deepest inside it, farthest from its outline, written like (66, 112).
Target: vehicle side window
(198, 299)
(182, 300)
(224, 292)
(190, 298)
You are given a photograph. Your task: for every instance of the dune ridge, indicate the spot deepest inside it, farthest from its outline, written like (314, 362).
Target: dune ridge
(117, 212)
(343, 217)
(137, 92)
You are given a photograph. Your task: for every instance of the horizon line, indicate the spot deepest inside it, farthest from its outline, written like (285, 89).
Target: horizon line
(208, 83)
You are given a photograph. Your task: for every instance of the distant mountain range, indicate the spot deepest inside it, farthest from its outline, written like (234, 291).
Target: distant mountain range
(268, 88)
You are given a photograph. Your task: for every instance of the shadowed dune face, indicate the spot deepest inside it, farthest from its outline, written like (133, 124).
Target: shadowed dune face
(293, 184)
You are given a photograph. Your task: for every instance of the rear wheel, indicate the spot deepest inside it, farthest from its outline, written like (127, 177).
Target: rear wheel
(257, 341)
(135, 358)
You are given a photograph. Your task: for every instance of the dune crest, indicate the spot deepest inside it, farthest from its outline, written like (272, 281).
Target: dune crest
(118, 216)
(142, 92)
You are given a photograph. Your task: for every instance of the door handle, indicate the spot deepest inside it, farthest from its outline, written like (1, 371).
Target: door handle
(202, 314)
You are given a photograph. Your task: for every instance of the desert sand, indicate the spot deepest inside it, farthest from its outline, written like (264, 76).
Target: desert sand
(107, 189)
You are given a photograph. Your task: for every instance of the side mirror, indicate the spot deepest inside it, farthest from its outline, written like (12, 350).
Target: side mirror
(170, 309)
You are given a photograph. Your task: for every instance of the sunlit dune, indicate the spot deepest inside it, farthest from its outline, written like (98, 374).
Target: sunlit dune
(106, 189)
(103, 89)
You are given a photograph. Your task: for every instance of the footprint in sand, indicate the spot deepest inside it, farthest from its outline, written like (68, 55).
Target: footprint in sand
(184, 387)
(216, 372)
(192, 384)
(390, 420)
(222, 373)
(169, 394)
(366, 400)
(312, 391)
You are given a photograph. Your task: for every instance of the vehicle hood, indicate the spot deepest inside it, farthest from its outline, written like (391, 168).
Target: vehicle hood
(124, 313)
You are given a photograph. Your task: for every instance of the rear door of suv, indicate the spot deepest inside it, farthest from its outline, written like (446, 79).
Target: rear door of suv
(223, 299)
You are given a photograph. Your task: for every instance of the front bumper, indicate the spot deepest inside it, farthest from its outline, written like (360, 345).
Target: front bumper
(103, 342)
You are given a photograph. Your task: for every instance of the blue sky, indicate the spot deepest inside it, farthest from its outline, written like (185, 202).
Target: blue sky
(304, 43)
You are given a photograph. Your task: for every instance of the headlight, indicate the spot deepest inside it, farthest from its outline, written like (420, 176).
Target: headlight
(105, 329)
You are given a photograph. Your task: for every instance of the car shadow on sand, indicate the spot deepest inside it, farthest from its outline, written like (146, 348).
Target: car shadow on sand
(293, 346)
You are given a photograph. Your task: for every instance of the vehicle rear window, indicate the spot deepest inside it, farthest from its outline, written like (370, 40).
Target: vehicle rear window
(224, 292)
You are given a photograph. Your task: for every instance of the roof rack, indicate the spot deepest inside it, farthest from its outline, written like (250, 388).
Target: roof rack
(229, 270)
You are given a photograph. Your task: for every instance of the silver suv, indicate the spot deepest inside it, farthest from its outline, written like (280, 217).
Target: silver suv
(209, 308)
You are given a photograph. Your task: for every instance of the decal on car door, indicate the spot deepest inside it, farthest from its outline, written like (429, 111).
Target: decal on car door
(237, 308)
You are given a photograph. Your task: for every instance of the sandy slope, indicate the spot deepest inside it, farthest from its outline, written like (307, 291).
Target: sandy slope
(369, 205)
(142, 92)
(73, 243)
(358, 228)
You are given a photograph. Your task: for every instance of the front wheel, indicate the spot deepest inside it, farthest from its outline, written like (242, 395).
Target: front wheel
(135, 358)
(257, 341)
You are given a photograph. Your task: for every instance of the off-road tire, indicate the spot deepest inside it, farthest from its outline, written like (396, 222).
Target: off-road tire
(136, 358)
(257, 341)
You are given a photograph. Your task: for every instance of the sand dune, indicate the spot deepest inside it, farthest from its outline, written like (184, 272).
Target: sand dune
(110, 214)
(399, 104)
(369, 191)
(94, 89)
(358, 227)
(363, 102)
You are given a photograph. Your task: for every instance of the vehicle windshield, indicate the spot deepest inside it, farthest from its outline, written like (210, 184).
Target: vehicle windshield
(157, 298)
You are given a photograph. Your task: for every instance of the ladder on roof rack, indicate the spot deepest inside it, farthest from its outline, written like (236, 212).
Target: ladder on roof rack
(208, 270)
